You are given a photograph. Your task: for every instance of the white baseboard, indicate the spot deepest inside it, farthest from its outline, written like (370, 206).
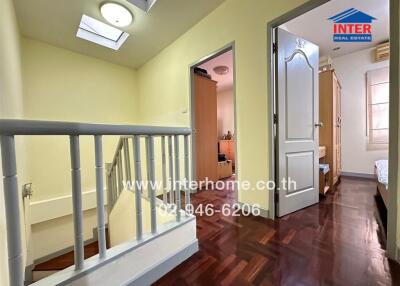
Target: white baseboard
(263, 212)
(166, 265)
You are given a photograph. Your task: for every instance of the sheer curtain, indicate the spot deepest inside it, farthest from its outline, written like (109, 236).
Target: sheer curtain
(378, 108)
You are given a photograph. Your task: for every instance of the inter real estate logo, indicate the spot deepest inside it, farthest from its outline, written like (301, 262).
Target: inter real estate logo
(352, 25)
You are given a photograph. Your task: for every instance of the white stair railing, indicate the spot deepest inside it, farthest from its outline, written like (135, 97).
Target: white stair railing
(11, 128)
(119, 174)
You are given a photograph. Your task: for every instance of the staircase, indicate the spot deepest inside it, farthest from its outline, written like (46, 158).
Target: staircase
(61, 262)
(114, 259)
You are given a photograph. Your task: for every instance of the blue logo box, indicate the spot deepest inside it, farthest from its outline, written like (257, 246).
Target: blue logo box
(352, 37)
(352, 25)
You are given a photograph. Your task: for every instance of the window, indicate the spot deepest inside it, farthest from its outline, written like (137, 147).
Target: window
(378, 108)
(100, 33)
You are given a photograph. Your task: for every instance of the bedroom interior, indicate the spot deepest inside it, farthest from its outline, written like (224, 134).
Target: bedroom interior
(353, 100)
(213, 103)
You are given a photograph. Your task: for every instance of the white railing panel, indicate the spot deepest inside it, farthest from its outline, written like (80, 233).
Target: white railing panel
(118, 174)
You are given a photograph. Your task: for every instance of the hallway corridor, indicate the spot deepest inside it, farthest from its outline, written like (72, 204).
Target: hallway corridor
(336, 242)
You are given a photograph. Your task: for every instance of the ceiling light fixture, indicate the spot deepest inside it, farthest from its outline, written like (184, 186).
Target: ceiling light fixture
(221, 70)
(116, 14)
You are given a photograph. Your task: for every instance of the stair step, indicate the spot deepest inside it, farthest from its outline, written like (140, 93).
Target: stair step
(66, 260)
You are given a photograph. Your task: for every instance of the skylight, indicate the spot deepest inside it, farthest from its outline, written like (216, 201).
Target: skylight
(100, 33)
(145, 5)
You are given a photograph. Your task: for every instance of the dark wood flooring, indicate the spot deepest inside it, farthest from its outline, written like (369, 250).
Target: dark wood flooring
(66, 260)
(336, 242)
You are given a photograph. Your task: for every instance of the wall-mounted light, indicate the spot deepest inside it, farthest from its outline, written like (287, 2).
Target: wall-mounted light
(116, 14)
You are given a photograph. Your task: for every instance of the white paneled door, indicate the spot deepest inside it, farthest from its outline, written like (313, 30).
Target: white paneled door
(297, 125)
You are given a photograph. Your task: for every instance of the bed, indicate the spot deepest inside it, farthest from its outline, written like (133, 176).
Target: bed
(381, 172)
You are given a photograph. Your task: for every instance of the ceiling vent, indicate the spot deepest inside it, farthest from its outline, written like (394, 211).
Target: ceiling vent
(144, 5)
(382, 52)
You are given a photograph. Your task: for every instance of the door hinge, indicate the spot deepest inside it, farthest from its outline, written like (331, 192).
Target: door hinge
(274, 48)
(275, 119)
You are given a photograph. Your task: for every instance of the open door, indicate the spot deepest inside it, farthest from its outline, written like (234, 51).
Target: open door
(297, 140)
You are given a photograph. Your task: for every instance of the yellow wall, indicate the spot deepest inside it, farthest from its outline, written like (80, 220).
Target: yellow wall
(10, 68)
(124, 210)
(10, 105)
(66, 86)
(55, 235)
(164, 80)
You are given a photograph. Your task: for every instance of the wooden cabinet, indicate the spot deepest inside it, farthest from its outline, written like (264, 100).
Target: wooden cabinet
(330, 115)
(227, 147)
(206, 133)
(338, 128)
(224, 169)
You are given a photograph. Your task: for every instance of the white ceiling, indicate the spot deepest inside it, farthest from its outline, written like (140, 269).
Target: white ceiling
(224, 81)
(314, 26)
(56, 22)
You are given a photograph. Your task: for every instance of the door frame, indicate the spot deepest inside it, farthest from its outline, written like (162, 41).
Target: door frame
(393, 189)
(228, 47)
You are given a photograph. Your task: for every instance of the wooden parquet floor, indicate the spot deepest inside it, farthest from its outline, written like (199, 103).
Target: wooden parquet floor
(336, 242)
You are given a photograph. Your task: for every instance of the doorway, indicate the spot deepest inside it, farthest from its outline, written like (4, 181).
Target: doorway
(332, 74)
(213, 118)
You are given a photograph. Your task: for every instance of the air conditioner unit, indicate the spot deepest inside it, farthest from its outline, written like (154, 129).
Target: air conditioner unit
(382, 52)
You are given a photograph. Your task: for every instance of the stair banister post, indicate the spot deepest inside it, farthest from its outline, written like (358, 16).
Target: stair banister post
(171, 171)
(115, 186)
(77, 201)
(127, 160)
(138, 186)
(164, 170)
(11, 200)
(120, 173)
(187, 171)
(101, 230)
(177, 184)
(152, 180)
(109, 186)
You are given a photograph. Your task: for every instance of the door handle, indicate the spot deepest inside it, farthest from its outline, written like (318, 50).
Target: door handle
(320, 124)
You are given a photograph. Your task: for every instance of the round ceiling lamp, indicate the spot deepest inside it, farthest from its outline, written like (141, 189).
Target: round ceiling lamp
(221, 70)
(116, 14)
